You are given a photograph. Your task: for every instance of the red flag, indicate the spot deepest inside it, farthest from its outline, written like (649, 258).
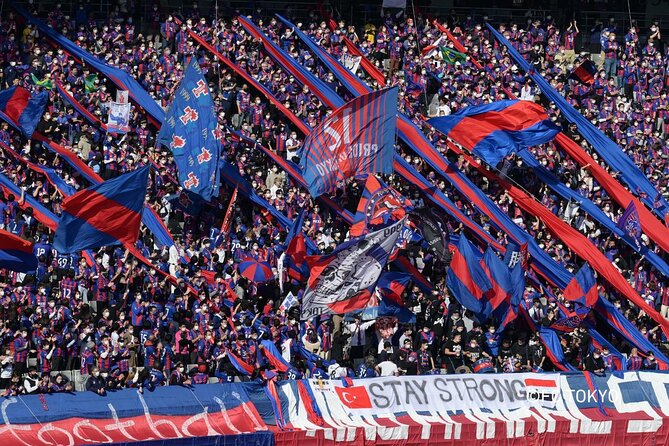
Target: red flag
(225, 226)
(355, 397)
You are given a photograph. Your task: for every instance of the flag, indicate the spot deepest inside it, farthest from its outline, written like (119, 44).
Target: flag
(582, 288)
(500, 278)
(507, 311)
(118, 119)
(44, 83)
(89, 83)
(467, 281)
(434, 230)
(296, 254)
(584, 72)
(239, 365)
(274, 357)
(515, 254)
(572, 320)
(432, 50)
(387, 300)
(227, 219)
(108, 213)
(378, 204)
(16, 254)
(358, 138)
(191, 132)
(343, 281)
(354, 397)
(289, 302)
(22, 109)
(629, 222)
(451, 56)
(492, 131)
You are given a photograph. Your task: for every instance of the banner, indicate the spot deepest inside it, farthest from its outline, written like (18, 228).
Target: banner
(344, 280)
(118, 120)
(356, 139)
(191, 132)
(127, 416)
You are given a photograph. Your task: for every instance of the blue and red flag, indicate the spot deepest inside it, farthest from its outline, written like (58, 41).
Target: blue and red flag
(492, 131)
(378, 204)
(296, 258)
(629, 222)
(274, 357)
(239, 365)
(584, 72)
(571, 320)
(468, 281)
(16, 254)
(582, 288)
(108, 213)
(500, 278)
(356, 139)
(190, 130)
(388, 302)
(23, 110)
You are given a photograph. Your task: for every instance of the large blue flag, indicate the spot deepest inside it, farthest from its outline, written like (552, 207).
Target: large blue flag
(191, 132)
(23, 110)
(468, 282)
(108, 213)
(492, 131)
(357, 139)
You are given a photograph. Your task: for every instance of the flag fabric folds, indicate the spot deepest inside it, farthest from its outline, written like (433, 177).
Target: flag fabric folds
(468, 282)
(378, 204)
(582, 288)
(450, 56)
(629, 222)
(387, 300)
(344, 280)
(584, 72)
(16, 254)
(191, 132)
(356, 139)
(492, 131)
(613, 154)
(22, 109)
(108, 213)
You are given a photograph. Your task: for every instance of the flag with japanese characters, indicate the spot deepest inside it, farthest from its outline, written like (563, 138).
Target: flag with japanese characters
(191, 132)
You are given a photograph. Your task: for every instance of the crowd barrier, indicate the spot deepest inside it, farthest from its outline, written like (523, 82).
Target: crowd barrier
(497, 409)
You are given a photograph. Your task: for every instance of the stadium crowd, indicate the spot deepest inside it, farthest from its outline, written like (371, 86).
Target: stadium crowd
(113, 318)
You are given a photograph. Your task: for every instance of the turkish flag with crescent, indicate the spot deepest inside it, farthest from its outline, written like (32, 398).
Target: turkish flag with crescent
(355, 397)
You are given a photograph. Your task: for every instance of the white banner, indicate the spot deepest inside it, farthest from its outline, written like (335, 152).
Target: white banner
(119, 118)
(444, 393)
(402, 4)
(352, 62)
(343, 281)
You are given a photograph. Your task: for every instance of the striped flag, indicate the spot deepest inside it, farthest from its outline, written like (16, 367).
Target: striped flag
(357, 139)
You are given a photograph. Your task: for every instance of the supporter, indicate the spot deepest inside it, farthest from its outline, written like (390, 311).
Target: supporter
(96, 383)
